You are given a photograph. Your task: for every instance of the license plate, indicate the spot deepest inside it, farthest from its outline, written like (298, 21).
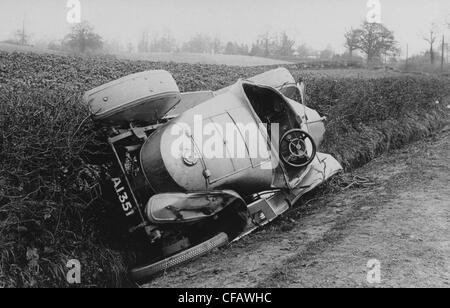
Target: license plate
(124, 197)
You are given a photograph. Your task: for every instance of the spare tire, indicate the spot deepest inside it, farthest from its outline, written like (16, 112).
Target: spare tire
(142, 273)
(142, 98)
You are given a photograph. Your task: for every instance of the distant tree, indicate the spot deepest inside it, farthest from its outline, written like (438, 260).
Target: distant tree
(303, 51)
(198, 44)
(352, 40)
(217, 46)
(375, 41)
(230, 48)
(431, 38)
(143, 44)
(130, 47)
(256, 49)
(244, 49)
(236, 49)
(327, 53)
(285, 46)
(55, 45)
(165, 43)
(83, 38)
(266, 45)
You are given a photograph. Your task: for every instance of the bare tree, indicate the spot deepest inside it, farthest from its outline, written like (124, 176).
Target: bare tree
(236, 49)
(200, 43)
(327, 53)
(304, 51)
(431, 38)
(257, 49)
(217, 46)
(276, 45)
(165, 43)
(264, 43)
(286, 45)
(83, 38)
(130, 47)
(352, 40)
(143, 45)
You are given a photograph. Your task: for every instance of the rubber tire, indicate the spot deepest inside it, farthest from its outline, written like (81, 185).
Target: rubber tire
(142, 273)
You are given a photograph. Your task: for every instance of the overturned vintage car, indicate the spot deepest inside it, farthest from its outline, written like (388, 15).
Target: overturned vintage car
(194, 171)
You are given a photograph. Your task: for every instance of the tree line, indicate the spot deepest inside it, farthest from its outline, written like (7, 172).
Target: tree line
(83, 39)
(278, 45)
(266, 45)
(374, 41)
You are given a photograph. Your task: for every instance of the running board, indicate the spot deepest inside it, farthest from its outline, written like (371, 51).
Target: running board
(265, 210)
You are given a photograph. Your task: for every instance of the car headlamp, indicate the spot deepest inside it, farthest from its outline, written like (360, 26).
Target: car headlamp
(189, 157)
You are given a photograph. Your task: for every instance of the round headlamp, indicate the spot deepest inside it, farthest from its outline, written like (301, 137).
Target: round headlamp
(189, 157)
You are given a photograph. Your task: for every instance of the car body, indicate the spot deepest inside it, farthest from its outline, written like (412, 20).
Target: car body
(223, 162)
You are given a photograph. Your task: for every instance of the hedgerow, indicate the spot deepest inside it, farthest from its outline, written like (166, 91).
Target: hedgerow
(372, 115)
(48, 214)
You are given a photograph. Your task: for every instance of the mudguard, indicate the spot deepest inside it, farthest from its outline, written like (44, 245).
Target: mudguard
(189, 207)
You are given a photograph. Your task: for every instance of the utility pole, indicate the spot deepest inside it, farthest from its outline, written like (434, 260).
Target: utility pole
(21, 34)
(22, 40)
(442, 55)
(406, 62)
(447, 49)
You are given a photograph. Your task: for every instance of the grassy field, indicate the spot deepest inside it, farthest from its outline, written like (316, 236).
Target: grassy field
(47, 213)
(182, 57)
(194, 58)
(17, 48)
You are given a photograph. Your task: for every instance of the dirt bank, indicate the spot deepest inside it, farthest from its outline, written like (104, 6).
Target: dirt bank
(403, 221)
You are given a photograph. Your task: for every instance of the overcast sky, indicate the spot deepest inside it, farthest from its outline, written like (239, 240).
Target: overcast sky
(318, 23)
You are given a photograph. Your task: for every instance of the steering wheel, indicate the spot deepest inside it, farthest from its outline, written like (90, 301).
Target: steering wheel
(297, 148)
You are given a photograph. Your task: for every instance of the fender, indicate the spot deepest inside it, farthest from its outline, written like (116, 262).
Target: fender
(178, 208)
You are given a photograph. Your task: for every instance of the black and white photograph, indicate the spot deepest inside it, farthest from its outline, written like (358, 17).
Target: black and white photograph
(221, 151)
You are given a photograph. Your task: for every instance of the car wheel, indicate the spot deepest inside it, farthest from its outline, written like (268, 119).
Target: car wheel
(140, 274)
